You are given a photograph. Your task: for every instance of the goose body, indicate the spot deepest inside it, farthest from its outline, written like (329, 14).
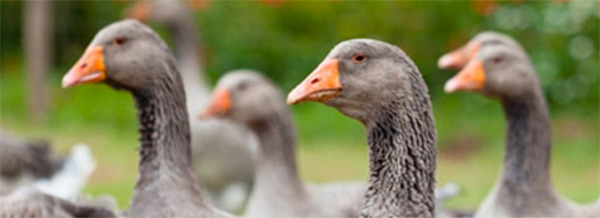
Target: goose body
(32, 163)
(36, 183)
(378, 85)
(130, 56)
(248, 98)
(221, 150)
(29, 202)
(22, 163)
(497, 66)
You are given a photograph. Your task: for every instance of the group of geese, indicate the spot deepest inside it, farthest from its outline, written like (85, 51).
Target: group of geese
(368, 80)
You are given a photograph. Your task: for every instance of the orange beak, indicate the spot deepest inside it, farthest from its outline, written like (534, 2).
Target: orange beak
(220, 104)
(321, 85)
(88, 69)
(470, 78)
(140, 11)
(457, 59)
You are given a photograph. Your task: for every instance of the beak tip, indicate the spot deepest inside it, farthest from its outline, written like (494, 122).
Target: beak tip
(68, 80)
(450, 86)
(445, 61)
(291, 102)
(291, 98)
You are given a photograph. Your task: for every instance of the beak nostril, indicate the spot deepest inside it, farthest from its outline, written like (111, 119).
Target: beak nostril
(83, 65)
(315, 80)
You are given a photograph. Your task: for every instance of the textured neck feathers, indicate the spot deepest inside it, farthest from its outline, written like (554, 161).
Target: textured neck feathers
(402, 160)
(528, 143)
(401, 140)
(524, 188)
(276, 163)
(165, 162)
(164, 129)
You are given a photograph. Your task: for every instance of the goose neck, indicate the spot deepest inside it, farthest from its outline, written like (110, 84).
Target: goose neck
(165, 162)
(402, 160)
(276, 163)
(528, 142)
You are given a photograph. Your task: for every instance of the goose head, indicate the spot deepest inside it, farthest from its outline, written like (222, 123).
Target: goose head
(458, 58)
(126, 55)
(358, 77)
(496, 66)
(245, 96)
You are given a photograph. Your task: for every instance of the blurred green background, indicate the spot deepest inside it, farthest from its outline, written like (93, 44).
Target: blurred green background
(286, 40)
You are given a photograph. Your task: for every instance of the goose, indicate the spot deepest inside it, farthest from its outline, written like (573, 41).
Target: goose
(34, 182)
(33, 163)
(221, 150)
(496, 66)
(130, 56)
(30, 202)
(379, 85)
(247, 97)
(23, 162)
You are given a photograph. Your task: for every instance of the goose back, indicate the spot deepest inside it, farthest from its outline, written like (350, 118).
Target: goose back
(28, 202)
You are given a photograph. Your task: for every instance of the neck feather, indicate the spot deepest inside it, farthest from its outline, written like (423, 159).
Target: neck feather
(528, 143)
(165, 162)
(402, 161)
(164, 131)
(276, 169)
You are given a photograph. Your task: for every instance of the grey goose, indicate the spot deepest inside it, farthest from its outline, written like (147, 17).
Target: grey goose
(496, 66)
(379, 85)
(247, 97)
(221, 150)
(128, 55)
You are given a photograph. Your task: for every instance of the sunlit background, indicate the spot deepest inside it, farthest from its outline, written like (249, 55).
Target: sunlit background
(285, 41)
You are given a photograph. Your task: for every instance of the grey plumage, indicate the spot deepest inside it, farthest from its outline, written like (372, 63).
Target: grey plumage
(221, 150)
(524, 187)
(384, 90)
(28, 202)
(22, 162)
(278, 189)
(142, 64)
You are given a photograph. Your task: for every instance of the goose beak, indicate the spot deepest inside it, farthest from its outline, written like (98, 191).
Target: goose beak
(470, 78)
(453, 60)
(458, 58)
(88, 69)
(321, 85)
(220, 104)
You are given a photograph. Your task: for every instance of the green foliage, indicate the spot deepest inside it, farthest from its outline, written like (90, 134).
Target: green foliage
(288, 41)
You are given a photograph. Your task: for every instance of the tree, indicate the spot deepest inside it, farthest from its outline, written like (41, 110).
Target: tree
(37, 38)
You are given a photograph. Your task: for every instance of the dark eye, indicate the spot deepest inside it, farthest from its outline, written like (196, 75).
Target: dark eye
(496, 60)
(119, 41)
(359, 58)
(242, 86)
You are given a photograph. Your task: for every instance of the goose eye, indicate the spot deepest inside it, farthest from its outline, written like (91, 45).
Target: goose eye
(359, 58)
(242, 86)
(119, 41)
(497, 60)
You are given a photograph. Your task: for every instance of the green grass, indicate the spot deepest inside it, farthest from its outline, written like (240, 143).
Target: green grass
(331, 146)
